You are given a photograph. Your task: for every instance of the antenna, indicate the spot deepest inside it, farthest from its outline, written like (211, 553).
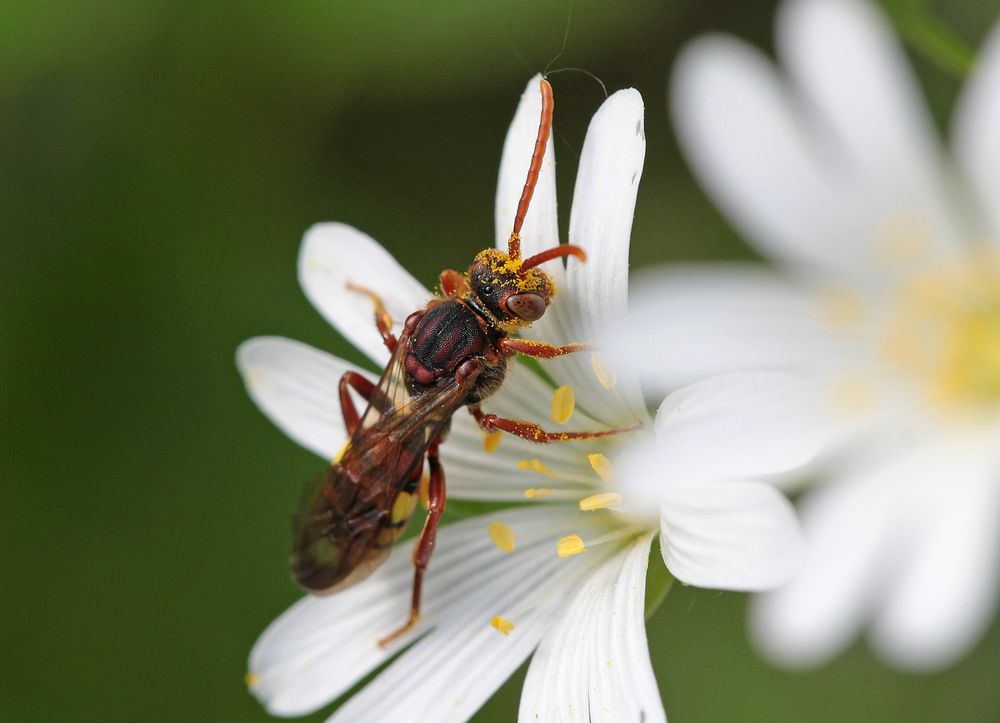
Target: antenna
(544, 126)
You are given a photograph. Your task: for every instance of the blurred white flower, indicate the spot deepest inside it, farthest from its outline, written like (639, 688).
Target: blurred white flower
(886, 303)
(565, 573)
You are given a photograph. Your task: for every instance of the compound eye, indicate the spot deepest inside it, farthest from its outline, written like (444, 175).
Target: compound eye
(528, 306)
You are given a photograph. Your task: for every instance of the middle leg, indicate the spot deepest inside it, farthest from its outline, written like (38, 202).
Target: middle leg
(422, 551)
(534, 433)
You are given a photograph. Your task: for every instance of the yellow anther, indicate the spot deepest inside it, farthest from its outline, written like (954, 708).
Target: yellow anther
(602, 466)
(254, 377)
(403, 507)
(570, 545)
(491, 440)
(502, 536)
(563, 404)
(251, 679)
(536, 492)
(537, 466)
(605, 376)
(342, 452)
(600, 501)
(502, 625)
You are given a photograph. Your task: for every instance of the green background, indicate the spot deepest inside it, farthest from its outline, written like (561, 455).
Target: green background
(159, 161)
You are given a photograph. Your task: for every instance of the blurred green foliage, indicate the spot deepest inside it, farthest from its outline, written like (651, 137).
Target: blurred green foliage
(159, 161)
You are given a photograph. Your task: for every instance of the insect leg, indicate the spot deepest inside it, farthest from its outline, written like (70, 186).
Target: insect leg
(533, 433)
(425, 544)
(538, 349)
(368, 391)
(383, 320)
(453, 283)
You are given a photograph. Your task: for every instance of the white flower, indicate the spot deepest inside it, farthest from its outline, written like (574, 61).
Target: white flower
(570, 581)
(887, 303)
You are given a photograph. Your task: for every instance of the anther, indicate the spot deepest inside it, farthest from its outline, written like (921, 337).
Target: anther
(602, 466)
(537, 466)
(502, 625)
(503, 537)
(536, 492)
(491, 440)
(570, 545)
(251, 679)
(600, 501)
(605, 376)
(563, 404)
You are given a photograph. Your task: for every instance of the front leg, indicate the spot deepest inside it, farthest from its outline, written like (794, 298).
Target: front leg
(383, 320)
(425, 544)
(534, 433)
(539, 349)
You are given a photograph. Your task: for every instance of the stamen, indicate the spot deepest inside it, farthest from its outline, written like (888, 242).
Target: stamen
(600, 501)
(605, 375)
(491, 440)
(503, 537)
(563, 404)
(251, 679)
(602, 466)
(570, 545)
(537, 466)
(502, 625)
(536, 492)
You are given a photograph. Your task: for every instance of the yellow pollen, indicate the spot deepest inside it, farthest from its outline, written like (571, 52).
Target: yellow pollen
(491, 440)
(536, 492)
(602, 466)
(502, 536)
(502, 625)
(537, 466)
(251, 679)
(605, 376)
(563, 404)
(342, 452)
(600, 501)
(570, 545)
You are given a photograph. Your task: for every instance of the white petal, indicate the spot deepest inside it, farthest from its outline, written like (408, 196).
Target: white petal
(594, 664)
(690, 322)
(449, 674)
(541, 225)
(946, 594)
(975, 137)
(295, 385)
(333, 255)
(846, 525)
(322, 646)
(745, 424)
(853, 72)
(751, 152)
(730, 536)
(596, 291)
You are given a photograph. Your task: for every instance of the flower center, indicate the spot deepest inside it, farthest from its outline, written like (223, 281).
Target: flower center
(943, 331)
